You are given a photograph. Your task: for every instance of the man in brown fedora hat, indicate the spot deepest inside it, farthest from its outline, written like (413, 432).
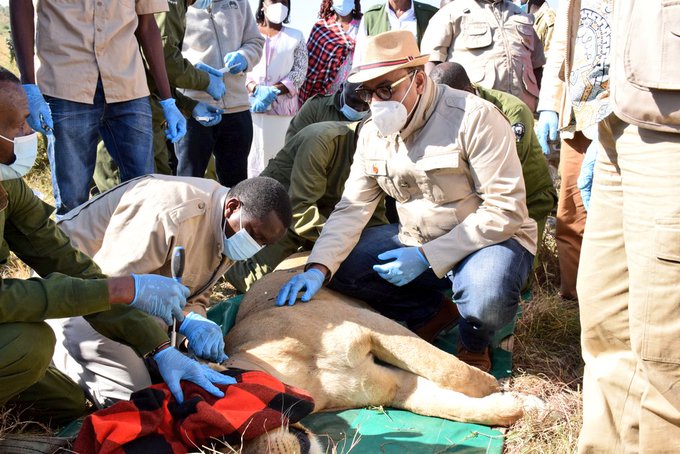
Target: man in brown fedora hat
(449, 160)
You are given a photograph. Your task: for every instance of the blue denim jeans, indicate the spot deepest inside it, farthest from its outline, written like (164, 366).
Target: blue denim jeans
(229, 141)
(486, 285)
(125, 128)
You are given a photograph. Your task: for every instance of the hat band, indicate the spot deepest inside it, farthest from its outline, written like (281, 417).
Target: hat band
(383, 64)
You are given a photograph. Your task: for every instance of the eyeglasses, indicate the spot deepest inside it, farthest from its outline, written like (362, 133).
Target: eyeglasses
(384, 93)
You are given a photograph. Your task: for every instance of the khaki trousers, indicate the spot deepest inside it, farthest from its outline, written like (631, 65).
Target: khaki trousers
(571, 215)
(629, 294)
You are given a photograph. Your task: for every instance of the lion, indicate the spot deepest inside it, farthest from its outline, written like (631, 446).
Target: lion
(348, 356)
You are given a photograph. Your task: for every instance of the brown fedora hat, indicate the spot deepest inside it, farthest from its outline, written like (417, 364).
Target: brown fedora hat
(385, 53)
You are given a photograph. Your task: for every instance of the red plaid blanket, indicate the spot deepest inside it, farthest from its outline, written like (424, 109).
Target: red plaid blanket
(152, 421)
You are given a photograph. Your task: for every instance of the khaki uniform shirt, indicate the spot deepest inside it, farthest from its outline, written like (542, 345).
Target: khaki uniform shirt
(134, 228)
(454, 173)
(544, 24)
(78, 41)
(493, 40)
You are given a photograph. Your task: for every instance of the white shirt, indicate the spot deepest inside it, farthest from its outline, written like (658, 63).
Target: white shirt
(407, 21)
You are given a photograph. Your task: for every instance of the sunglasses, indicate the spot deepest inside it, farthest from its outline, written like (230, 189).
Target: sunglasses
(384, 93)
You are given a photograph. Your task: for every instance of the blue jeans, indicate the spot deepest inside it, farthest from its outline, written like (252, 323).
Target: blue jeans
(125, 128)
(486, 286)
(229, 141)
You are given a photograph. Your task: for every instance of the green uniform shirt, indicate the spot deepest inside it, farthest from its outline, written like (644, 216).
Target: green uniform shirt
(316, 109)
(181, 72)
(70, 284)
(314, 166)
(541, 194)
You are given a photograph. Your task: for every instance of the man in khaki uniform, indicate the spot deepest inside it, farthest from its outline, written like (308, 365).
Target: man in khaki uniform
(493, 40)
(629, 272)
(134, 228)
(91, 73)
(449, 160)
(71, 284)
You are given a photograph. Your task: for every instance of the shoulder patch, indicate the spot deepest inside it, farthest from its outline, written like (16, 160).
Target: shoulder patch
(519, 129)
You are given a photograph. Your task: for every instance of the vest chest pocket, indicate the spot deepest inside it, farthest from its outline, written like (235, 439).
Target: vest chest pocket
(477, 35)
(523, 25)
(377, 168)
(445, 180)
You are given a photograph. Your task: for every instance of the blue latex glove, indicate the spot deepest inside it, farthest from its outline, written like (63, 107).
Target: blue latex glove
(216, 87)
(206, 114)
(546, 129)
(175, 366)
(408, 264)
(236, 62)
(177, 124)
(205, 337)
(40, 116)
(312, 280)
(585, 178)
(263, 97)
(160, 296)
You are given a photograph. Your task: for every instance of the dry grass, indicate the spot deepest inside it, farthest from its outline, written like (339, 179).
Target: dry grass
(547, 361)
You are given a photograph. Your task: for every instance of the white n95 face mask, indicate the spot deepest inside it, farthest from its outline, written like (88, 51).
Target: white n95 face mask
(25, 150)
(390, 116)
(240, 246)
(343, 7)
(276, 12)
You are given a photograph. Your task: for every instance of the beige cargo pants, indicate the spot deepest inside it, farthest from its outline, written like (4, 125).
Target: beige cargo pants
(629, 294)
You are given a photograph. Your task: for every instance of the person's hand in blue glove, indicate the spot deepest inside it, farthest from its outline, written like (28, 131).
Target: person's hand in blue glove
(177, 124)
(175, 366)
(235, 62)
(216, 87)
(263, 97)
(40, 115)
(407, 264)
(160, 296)
(205, 337)
(546, 129)
(585, 178)
(206, 114)
(312, 280)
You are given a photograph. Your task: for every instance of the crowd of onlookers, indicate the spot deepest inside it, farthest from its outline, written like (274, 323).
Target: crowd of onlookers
(397, 144)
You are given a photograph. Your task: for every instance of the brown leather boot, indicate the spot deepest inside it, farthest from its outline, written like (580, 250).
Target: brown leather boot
(445, 319)
(480, 360)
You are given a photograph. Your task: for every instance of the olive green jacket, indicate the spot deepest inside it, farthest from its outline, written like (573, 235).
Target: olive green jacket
(71, 283)
(316, 109)
(541, 193)
(181, 73)
(313, 166)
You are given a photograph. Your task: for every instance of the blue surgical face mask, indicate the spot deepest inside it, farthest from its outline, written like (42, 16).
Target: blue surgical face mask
(202, 4)
(523, 6)
(349, 112)
(240, 246)
(343, 7)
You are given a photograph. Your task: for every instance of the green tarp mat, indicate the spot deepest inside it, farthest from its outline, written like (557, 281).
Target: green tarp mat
(395, 431)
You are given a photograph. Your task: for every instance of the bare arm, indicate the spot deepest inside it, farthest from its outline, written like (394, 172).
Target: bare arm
(149, 38)
(121, 289)
(23, 32)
